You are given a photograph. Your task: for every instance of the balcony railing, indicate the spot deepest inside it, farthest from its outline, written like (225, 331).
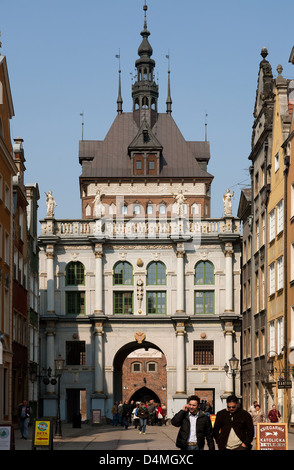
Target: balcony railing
(134, 228)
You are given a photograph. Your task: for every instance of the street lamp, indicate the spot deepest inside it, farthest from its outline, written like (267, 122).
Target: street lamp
(234, 362)
(59, 366)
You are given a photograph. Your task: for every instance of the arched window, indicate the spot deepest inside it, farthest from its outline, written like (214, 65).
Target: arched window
(145, 102)
(124, 210)
(204, 273)
(75, 274)
(137, 104)
(162, 209)
(123, 274)
(156, 274)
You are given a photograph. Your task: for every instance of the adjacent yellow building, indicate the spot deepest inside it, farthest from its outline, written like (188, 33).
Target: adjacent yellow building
(277, 356)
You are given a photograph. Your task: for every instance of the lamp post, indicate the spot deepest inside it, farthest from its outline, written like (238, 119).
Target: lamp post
(59, 366)
(233, 362)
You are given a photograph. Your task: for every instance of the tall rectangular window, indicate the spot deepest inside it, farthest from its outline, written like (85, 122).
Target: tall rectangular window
(263, 229)
(156, 302)
(75, 353)
(257, 292)
(277, 162)
(280, 274)
(203, 352)
(262, 285)
(257, 239)
(204, 302)
(272, 279)
(123, 303)
(272, 227)
(280, 217)
(280, 335)
(272, 339)
(75, 303)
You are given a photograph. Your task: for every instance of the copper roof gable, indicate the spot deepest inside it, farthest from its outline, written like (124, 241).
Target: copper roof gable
(109, 158)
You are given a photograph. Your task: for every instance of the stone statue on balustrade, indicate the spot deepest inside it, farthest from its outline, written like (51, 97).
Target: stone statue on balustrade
(227, 198)
(179, 203)
(99, 209)
(50, 203)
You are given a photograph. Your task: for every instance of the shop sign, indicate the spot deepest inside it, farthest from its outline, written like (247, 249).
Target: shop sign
(272, 436)
(284, 383)
(43, 436)
(6, 437)
(96, 416)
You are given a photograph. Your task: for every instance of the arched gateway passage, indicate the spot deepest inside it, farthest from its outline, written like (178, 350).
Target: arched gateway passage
(145, 394)
(140, 373)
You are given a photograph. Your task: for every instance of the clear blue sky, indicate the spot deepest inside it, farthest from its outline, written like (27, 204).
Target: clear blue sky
(61, 61)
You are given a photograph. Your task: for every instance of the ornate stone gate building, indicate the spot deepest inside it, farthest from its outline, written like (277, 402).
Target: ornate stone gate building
(144, 268)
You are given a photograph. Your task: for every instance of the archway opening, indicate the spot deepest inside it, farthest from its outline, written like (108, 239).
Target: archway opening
(144, 394)
(139, 373)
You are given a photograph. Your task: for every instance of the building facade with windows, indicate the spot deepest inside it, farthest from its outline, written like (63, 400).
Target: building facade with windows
(254, 210)
(144, 269)
(277, 348)
(266, 210)
(7, 171)
(288, 147)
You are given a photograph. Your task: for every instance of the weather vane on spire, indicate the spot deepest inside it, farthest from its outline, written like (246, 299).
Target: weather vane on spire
(145, 8)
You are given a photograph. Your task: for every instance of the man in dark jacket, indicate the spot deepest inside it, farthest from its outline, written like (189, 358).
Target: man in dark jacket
(194, 426)
(233, 427)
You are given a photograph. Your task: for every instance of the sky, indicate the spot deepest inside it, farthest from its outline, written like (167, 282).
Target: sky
(62, 63)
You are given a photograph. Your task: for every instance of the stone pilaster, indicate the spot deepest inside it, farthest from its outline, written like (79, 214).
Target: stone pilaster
(229, 254)
(50, 279)
(98, 279)
(181, 366)
(98, 358)
(180, 279)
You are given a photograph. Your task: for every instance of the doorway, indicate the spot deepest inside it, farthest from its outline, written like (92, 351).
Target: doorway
(76, 403)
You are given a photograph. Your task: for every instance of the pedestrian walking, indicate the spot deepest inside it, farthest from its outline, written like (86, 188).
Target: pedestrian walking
(257, 417)
(24, 412)
(136, 420)
(151, 412)
(274, 415)
(159, 414)
(126, 412)
(195, 426)
(120, 409)
(251, 409)
(115, 414)
(164, 411)
(233, 427)
(143, 417)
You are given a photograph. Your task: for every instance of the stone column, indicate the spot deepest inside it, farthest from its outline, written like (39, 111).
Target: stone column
(98, 358)
(50, 278)
(228, 355)
(99, 279)
(50, 347)
(180, 279)
(181, 367)
(229, 253)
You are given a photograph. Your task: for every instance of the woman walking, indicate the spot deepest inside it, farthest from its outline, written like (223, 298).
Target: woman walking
(143, 416)
(257, 417)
